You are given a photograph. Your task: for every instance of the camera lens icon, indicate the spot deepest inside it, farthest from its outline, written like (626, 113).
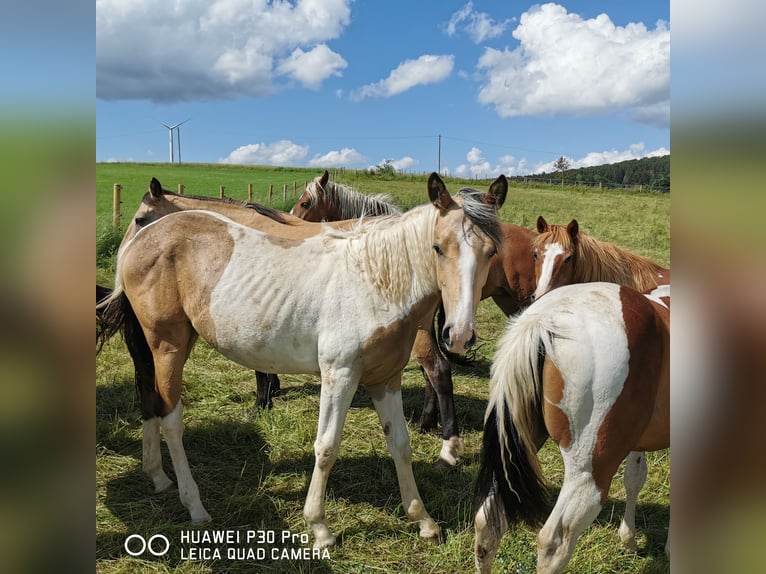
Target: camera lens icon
(137, 545)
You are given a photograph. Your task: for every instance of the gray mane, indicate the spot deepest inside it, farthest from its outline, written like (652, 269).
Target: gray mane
(482, 215)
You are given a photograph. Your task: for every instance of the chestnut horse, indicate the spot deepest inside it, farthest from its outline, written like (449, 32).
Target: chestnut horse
(510, 283)
(587, 365)
(251, 296)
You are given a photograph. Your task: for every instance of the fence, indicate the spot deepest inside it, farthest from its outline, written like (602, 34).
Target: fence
(117, 201)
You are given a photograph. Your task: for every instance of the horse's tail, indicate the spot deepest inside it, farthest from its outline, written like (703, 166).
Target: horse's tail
(509, 466)
(116, 314)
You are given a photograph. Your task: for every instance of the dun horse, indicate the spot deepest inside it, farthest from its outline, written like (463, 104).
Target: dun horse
(510, 283)
(191, 274)
(587, 365)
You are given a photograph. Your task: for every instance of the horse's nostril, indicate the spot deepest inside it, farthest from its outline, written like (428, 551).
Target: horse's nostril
(446, 335)
(471, 342)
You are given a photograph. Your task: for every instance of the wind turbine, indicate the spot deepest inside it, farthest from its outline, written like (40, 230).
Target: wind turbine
(170, 133)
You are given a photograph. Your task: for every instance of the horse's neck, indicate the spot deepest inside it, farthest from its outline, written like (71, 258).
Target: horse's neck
(600, 261)
(397, 257)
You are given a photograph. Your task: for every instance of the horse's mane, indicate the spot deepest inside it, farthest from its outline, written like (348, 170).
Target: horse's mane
(351, 203)
(596, 260)
(396, 252)
(261, 209)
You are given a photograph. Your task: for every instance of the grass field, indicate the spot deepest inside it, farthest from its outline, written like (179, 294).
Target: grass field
(253, 467)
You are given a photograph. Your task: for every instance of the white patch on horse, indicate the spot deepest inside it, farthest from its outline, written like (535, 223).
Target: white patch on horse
(552, 251)
(658, 294)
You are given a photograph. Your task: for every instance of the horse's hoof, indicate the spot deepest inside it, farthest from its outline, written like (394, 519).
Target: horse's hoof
(444, 464)
(200, 518)
(163, 486)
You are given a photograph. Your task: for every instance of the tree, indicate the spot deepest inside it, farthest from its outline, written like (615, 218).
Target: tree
(562, 165)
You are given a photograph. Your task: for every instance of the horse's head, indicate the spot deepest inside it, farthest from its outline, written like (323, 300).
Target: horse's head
(555, 253)
(466, 236)
(311, 206)
(154, 205)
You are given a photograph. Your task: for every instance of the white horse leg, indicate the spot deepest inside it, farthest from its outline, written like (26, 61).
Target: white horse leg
(487, 534)
(578, 504)
(152, 456)
(334, 403)
(173, 430)
(388, 404)
(634, 478)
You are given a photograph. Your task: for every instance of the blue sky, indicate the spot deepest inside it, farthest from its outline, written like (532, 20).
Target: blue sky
(510, 86)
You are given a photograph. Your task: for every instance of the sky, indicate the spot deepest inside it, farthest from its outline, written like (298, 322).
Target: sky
(474, 89)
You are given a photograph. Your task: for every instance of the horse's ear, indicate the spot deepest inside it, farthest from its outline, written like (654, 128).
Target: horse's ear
(542, 225)
(324, 179)
(438, 194)
(572, 228)
(155, 188)
(497, 192)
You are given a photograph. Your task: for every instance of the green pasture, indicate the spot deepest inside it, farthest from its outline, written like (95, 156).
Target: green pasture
(253, 467)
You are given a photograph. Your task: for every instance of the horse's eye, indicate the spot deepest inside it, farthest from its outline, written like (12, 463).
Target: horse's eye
(535, 255)
(141, 221)
(305, 205)
(492, 253)
(568, 260)
(438, 250)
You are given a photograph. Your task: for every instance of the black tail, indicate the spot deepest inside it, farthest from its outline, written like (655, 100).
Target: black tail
(522, 495)
(118, 315)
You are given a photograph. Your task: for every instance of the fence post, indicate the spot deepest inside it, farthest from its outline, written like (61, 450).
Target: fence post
(295, 187)
(271, 191)
(250, 193)
(222, 188)
(284, 192)
(116, 205)
(180, 189)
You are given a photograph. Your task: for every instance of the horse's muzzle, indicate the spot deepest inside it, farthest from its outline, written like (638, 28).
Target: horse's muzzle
(456, 344)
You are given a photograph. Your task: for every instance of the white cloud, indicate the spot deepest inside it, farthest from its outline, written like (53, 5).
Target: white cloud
(427, 69)
(284, 153)
(404, 163)
(196, 50)
(477, 166)
(313, 67)
(343, 158)
(566, 64)
(478, 25)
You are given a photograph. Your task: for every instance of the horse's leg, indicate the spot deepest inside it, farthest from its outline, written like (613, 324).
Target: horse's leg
(152, 455)
(335, 400)
(438, 375)
(169, 361)
(387, 399)
(577, 506)
(489, 525)
(634, 478)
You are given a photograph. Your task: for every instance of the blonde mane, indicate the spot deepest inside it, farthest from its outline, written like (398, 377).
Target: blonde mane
(395, 254)
(596, 260)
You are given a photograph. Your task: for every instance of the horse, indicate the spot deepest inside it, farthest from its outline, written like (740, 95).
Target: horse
(587, 365)
(158, 202)
(330, 201)
(510, 283)
(563, 254)
(193, 273)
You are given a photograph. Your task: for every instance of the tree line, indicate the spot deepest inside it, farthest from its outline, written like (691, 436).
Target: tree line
(650, 172)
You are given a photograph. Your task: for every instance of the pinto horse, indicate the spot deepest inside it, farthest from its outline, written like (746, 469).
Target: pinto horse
(587, 365)
(510, 283)
(193, 273)
(158, 202)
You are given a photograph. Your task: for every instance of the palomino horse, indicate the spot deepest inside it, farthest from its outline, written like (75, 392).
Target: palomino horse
(193, 273)
(510, 283)
(587, 365)
(563, 255)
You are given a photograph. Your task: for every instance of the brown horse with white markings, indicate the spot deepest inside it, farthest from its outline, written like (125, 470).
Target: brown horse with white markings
(510, 283)
(563, 255)
(251, 296)
(588, 365)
